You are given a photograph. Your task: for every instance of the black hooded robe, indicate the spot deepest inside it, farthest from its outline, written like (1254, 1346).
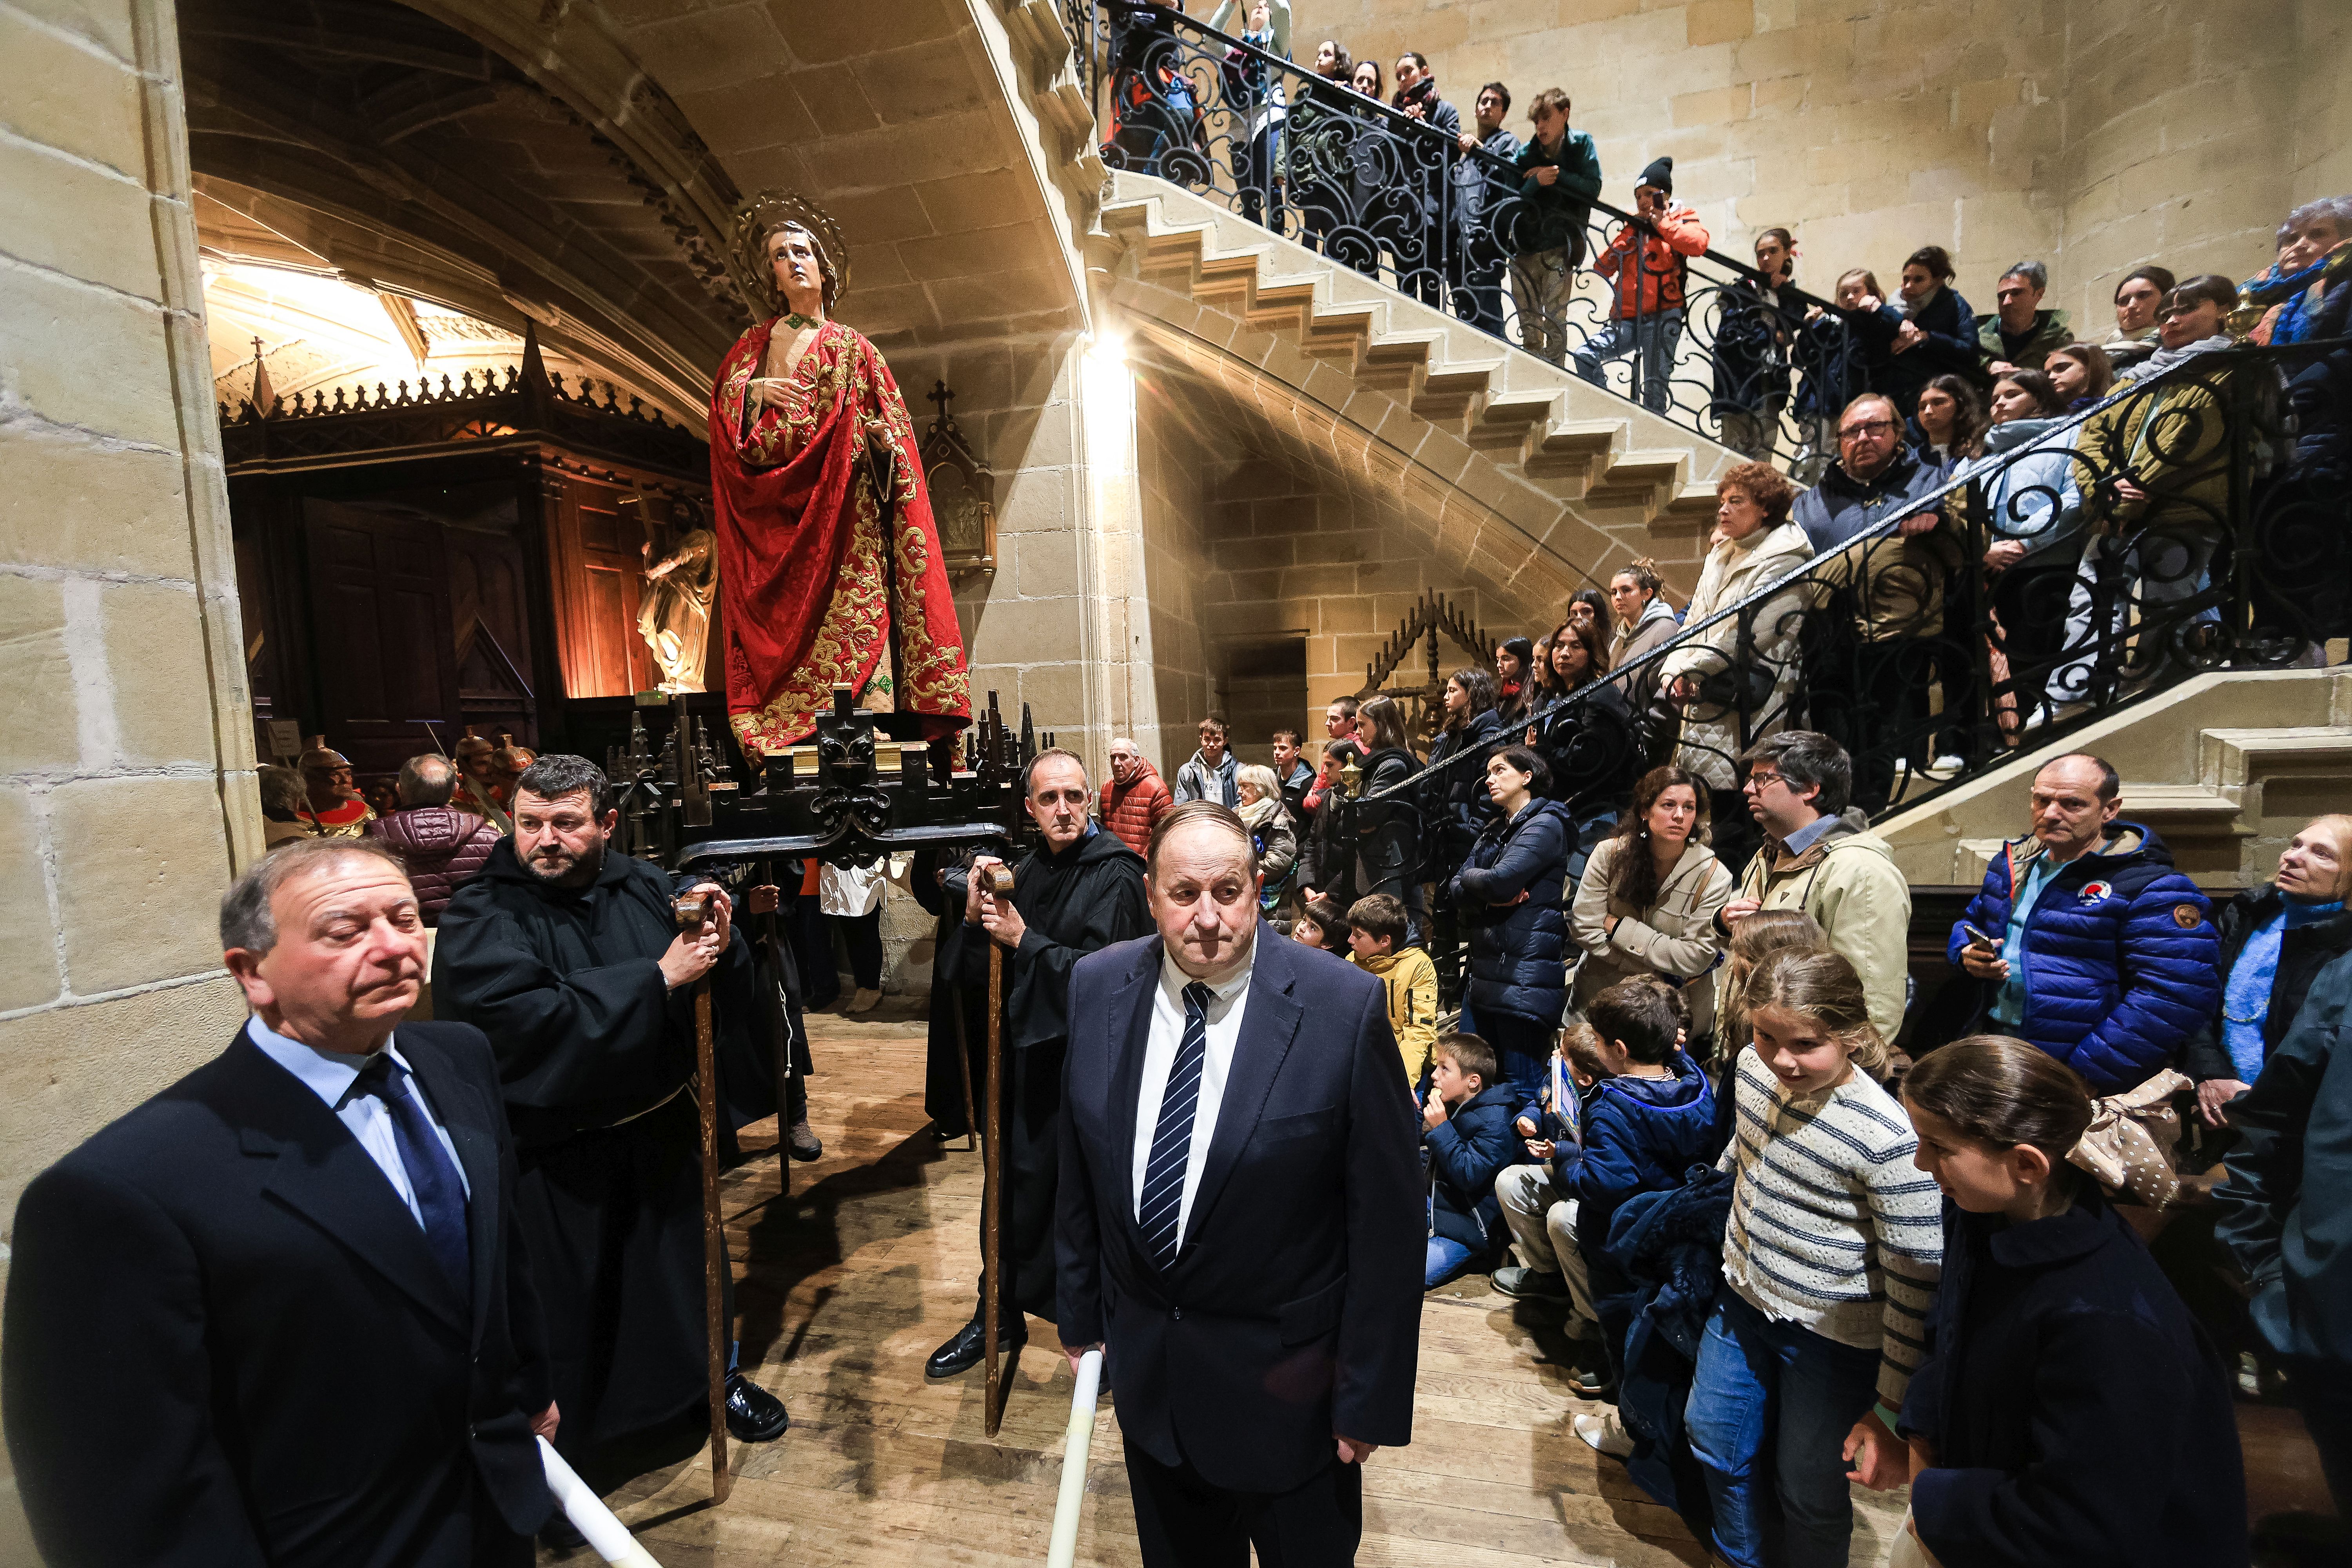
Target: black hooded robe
(595, 1055)
(1074, 903)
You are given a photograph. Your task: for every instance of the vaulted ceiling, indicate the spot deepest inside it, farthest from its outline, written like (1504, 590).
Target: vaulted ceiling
(577, 163)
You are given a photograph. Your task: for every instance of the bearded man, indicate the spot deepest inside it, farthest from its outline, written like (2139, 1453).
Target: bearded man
(568, 956)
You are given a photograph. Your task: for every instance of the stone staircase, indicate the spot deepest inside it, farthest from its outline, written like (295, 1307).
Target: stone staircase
(2226, 767)
(1557, 477)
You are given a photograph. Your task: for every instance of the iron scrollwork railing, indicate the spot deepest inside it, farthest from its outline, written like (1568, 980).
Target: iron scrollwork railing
(2196, 520)
(1397, 199)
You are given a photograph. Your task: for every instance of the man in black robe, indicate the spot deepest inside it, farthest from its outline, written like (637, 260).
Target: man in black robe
(1079, 893)
(568, 956)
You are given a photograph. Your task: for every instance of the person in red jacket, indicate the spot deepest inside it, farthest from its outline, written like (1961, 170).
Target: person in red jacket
(1135, 797)
(443, 848)
(1645, 264)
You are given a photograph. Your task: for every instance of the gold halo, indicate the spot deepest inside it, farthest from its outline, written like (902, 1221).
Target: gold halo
(770, 210)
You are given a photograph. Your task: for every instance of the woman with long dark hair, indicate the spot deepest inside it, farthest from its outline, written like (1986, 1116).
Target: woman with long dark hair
(1508, 891)
(1389, 830)
(1649, 895)
(1594, 748)
(1456, 801)
(1949, 424)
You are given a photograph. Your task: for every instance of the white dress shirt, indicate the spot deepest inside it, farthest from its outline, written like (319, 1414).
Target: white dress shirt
(329, 1075)
(1227, 1002)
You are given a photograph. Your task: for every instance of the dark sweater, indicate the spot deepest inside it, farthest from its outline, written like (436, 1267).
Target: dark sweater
(2078, 1414)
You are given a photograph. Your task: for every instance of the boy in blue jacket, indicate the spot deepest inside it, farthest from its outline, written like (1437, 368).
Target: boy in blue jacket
(1467, 1129)
(1646, 1127)
(1540, 1200)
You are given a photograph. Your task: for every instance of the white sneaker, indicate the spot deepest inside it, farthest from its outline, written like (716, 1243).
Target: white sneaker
(1605, 1434)
(864, 1002)
(1947, 764)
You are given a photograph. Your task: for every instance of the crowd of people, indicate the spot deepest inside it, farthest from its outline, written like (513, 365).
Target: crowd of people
(1904, 1272)
(1467, 208)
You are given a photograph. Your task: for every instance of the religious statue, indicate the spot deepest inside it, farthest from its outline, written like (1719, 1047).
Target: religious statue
(830, 567)
(335, 808)
(673, 614)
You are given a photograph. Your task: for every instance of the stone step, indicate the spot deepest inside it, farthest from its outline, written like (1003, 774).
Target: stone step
(1533, 421)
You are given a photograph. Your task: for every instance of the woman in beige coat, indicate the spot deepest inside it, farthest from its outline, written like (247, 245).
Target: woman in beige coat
(1648, 899)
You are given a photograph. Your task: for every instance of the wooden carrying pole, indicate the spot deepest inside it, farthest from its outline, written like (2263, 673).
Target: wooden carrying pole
(991, 1201)
(692, 910)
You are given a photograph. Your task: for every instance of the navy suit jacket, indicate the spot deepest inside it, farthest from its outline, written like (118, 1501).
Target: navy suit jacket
(1292, 1312)
(227, 1342)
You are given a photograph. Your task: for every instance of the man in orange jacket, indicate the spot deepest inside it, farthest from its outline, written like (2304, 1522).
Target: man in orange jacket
(1135, 797)
(1645, 262)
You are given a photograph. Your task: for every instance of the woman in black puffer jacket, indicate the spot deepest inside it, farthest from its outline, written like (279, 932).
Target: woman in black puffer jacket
(1509, 893)
(1389, 831)
(1453, 803)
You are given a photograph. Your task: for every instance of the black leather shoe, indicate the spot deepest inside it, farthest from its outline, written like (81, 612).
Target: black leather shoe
(753, 1415)
(968, 1347)
(803, 1142)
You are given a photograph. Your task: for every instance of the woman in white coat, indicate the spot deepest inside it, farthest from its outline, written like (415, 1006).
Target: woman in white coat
(1733, 680)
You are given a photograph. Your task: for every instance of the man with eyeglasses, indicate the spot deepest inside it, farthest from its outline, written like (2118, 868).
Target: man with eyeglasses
(1820, 857)
(1869, 690)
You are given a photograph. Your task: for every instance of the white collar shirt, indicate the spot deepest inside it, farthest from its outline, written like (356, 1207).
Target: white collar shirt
(329, 1075)
(1228, 1001)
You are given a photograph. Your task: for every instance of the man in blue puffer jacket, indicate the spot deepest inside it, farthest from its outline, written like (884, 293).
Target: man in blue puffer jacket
(2093, 946)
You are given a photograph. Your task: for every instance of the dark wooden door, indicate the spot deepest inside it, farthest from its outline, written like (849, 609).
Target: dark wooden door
(380, 633)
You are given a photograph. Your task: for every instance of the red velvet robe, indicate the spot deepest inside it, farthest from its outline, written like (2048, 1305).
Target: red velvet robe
(800, 531)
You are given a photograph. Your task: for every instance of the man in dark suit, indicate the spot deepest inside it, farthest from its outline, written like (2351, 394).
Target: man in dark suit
(276, 1314)
(1240, 1216)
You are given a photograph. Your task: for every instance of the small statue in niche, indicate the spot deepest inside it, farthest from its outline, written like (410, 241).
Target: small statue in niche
(681, 580)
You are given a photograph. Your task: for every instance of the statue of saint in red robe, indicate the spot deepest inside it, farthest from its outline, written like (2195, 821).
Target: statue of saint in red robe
(827, 552)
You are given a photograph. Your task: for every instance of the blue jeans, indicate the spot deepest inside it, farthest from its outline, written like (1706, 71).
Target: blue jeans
(1653, 337)
(1447, 1259)
(1770, 1405)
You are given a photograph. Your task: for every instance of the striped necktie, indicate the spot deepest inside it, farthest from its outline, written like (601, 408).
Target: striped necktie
(1161, 1213)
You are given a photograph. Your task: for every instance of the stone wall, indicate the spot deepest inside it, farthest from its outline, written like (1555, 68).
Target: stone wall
(2092, 134)
(126, 782)
(1174, 462)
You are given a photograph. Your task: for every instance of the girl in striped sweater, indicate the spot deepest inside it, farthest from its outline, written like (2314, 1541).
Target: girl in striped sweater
(1831, 1259)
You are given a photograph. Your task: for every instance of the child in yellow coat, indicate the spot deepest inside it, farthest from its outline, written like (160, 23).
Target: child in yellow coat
(1376, 944)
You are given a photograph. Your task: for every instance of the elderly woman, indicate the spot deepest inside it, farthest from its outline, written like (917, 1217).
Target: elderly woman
(1733, 689)
(1271, 830)
(2275, 939)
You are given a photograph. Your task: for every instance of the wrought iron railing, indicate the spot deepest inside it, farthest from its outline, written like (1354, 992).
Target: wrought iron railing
(2196, 520)
(1695, 337)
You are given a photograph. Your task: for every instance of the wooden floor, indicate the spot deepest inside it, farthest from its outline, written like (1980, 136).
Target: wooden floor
(849, 1283)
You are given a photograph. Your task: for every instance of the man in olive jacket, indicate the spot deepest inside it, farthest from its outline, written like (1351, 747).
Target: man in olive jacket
(1819, 857)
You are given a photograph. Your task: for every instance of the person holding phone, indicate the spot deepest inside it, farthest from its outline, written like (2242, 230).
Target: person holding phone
(2089, 943)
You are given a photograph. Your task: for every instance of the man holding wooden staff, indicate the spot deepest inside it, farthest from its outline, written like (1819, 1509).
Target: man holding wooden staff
(1078, 893)
(569, 958)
